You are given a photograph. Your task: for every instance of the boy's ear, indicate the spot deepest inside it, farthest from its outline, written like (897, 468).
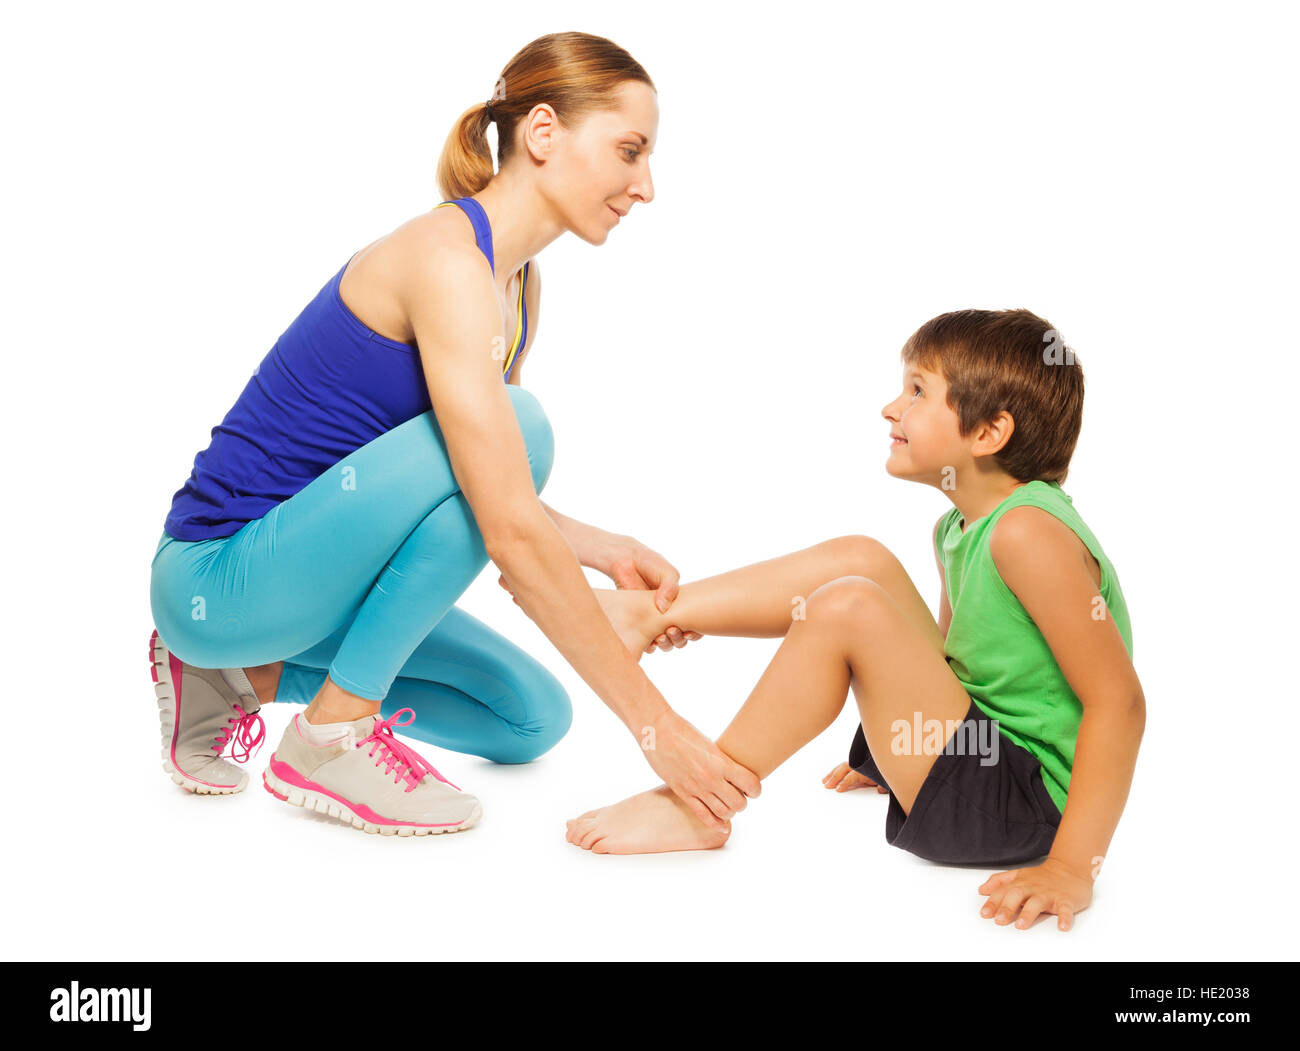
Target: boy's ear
(994, 435)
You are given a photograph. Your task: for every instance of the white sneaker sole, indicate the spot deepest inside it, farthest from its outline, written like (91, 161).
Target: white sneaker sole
(323, 804)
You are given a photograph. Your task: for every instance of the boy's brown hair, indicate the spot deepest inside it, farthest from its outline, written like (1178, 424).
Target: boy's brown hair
(1013, 360)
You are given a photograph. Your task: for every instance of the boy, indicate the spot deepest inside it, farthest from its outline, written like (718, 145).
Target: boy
(1009, 731)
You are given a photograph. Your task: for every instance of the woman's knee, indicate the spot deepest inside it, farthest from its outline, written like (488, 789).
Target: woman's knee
(550, 714)
(180, 617)
(539, 439)
(192, 641)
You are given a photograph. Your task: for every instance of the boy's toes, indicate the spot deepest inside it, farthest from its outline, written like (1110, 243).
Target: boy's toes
(579, 827)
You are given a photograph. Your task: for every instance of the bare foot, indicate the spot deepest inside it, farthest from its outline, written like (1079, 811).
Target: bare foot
(632, 613)
(649, 823)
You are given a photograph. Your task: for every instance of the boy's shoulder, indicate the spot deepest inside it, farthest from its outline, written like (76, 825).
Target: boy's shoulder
(1026, 541)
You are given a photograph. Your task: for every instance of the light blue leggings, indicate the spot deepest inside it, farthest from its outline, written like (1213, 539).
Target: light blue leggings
(357, 575)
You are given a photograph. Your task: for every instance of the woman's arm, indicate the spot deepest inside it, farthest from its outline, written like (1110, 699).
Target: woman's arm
(626, 561)
(589, 543)
(454, 313)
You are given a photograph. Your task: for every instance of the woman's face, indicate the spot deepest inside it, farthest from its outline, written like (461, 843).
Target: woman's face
(602, 167)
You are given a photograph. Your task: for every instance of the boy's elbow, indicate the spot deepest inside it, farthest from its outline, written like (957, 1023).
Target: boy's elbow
(1134, 714)
(1135, 711)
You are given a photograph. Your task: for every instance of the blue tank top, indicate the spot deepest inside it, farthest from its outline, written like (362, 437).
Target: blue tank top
(329, 386)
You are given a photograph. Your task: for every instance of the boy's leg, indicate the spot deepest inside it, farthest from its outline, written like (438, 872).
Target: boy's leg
(854, 634)
(763, 600)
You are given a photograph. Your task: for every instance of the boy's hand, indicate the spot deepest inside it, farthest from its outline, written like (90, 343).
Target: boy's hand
(844, 778)
(1049, 887)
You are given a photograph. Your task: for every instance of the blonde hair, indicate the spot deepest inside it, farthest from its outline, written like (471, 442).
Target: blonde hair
(574, 73)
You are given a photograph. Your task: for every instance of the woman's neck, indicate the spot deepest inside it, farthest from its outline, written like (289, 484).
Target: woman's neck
(522, 222)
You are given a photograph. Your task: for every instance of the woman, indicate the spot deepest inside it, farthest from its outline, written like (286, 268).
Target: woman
(376, 461)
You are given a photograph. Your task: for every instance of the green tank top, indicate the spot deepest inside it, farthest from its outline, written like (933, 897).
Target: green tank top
(995, 649)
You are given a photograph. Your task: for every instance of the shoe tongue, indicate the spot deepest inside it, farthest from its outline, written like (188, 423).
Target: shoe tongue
(238, 681)
(364, 726)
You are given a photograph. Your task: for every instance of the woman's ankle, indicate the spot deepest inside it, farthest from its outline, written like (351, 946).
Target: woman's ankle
(265, 680)
(333, 704)
(317, 714)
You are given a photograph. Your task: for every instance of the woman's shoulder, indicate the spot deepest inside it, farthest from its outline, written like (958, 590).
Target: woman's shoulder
(422, 240)
(426, 251)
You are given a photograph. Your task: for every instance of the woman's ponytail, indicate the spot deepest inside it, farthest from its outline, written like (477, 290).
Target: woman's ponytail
(465, 166)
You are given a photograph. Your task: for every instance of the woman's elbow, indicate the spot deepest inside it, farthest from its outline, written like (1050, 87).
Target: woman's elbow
(507, 535)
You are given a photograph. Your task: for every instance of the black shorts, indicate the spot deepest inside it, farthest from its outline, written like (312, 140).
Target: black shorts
(970, 811)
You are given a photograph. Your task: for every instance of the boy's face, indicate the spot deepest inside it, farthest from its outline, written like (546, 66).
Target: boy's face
(921, 416)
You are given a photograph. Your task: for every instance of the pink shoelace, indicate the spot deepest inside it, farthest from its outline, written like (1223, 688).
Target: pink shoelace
(238, 732)
(407, 764)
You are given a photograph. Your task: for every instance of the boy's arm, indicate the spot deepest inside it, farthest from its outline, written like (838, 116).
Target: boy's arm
(1043, 562)
(945, 610)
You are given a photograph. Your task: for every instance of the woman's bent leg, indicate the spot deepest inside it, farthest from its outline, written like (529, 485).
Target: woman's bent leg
(472, 691)
(475, 691)
(383, 542)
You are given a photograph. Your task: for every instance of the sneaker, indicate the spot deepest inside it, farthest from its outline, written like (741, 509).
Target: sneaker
(201, 714)
(369, 778)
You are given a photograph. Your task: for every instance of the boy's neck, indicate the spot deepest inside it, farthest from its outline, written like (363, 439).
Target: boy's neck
(981, 494)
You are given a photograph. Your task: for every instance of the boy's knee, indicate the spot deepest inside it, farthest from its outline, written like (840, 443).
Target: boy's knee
(539, 439)
(849, 601)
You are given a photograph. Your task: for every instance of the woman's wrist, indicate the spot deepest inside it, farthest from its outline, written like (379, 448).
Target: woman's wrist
(587, 541)
(645, 710)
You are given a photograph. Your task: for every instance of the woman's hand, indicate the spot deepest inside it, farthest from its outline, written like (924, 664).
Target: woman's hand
(634, 567)
(1049, 887)
(844, 778)
(704, 777)
(672, 637)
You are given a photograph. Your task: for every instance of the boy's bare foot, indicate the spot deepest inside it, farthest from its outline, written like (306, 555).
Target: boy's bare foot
(649, 823)
(632, 613)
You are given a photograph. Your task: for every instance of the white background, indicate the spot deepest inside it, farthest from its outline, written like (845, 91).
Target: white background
(180, 180)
